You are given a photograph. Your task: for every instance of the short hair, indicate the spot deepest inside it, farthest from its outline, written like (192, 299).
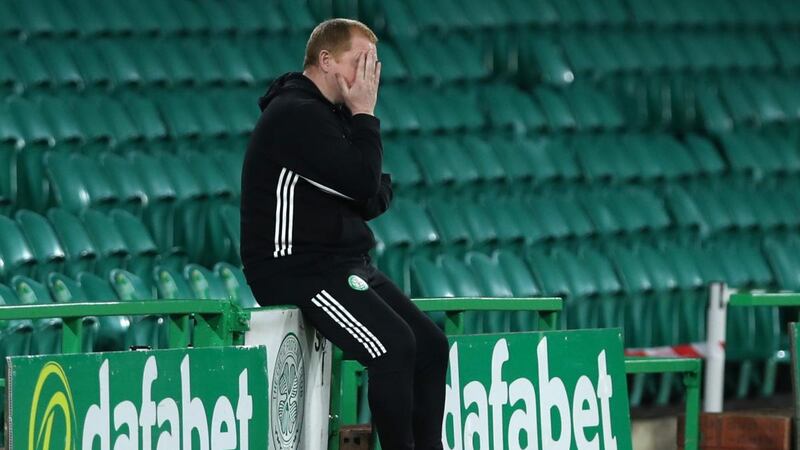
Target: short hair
(334, 35)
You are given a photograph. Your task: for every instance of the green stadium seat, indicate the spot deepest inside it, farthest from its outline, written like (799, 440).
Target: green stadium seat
(298, 16)
(170, 284)
(540, 58)
(149, 330)
(68, 186)
(229, 215)
(47, 332)
(108, 241)
(16, 336)
(143, 253)
(166, 16)
(513, 109)
(464, 284)
(15, 252)
(93, 69)
(145, 116)
(44, 244)
(555, 108)
(78, 245)
(204, 283)
(491, 280)
(236, 284)
(128, 184)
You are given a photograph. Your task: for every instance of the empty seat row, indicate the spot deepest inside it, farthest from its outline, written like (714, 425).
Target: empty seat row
(730, 208)
(499, 166)
(36, 245)
(225, 282)
(602, 53)
(415, 17)
(708, 103)
(111, 64)
(77, 120)
(657, 295)
(44, 18)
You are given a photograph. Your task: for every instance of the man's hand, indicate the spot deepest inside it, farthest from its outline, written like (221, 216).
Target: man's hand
(361, 97)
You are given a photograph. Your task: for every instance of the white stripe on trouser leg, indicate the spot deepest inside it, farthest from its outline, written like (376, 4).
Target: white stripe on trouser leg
(285, 211)
(351, 323)
(317, 301)
(278, 208)
(291, 213)
(359, 324)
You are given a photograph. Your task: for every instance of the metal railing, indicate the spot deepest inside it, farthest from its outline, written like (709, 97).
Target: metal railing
(216, 322)
(346, 373)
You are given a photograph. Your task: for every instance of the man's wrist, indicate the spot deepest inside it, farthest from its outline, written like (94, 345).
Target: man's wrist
(364, 111)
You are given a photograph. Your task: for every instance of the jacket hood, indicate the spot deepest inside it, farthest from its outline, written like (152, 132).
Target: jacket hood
(290, 81)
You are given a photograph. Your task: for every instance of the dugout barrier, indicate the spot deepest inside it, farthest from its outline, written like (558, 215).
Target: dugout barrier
(348, 373)
(219, 325)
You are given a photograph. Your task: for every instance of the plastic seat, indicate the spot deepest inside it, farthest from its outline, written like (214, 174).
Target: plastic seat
(464, 285)
(170, 284)
(555, 108)
(44, 243)
(108, 241)
(16, 336)
(204, 283)
(514, 109)
(15, 252)
(492, 282)
(143, 254)
(236, 284)
(47, 332)
(148, 331)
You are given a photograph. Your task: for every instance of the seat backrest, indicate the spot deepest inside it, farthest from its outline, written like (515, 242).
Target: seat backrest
(30, 292)
(128, 286)
(236, 284)
(489, 274)
(15, 253)
(204, 283)
(96, 288)
(64, 289)
(42, 237)
(171, 284)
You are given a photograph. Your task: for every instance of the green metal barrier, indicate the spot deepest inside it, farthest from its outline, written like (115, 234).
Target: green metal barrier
(721, 297)
(691, 368)
(346, 373)
(217, 322)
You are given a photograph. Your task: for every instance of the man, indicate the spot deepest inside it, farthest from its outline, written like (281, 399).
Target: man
(311, 179)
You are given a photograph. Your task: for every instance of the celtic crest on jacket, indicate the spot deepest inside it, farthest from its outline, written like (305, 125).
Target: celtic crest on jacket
(288, 394)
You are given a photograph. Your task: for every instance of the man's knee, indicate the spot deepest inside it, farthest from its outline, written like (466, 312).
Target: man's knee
(401, 350)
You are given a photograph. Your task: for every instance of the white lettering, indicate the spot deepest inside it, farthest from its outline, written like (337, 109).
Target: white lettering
(585, 418)
(98, 419)
(452, 404)
(193, 412)
(552, 394)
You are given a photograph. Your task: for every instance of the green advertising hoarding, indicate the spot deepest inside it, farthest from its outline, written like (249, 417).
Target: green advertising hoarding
(529, 391)
(202, 399)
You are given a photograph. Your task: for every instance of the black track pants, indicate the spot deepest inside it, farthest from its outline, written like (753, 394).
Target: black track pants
(361, 311)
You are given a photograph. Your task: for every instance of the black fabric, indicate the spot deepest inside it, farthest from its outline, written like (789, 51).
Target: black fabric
(314, 170)
(406, 383)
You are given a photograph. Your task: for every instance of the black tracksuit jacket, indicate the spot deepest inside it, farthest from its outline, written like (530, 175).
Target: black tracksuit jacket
(311, 179)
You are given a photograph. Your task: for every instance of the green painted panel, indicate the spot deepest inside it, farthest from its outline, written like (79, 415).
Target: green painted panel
(543, 390)
(210, 398)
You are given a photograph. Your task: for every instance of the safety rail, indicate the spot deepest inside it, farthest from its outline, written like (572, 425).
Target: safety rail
(692, 369)
(216, 322)
(720, 297)
(345, 373)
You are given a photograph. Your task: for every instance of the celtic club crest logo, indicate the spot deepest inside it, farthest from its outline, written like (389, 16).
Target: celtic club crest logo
(288, 394)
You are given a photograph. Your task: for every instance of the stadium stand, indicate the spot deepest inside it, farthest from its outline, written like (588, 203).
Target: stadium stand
(620, 153)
